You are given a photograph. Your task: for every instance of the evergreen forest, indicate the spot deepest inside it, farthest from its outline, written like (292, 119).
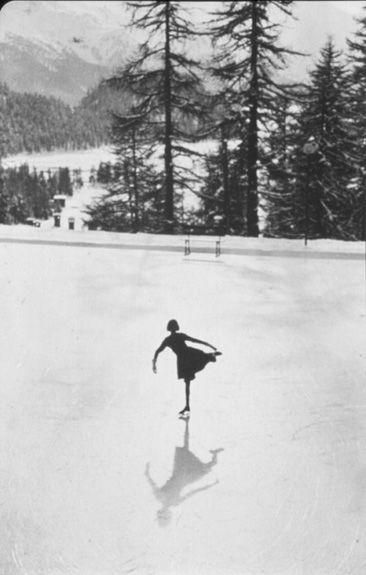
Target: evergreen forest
(36, 123)
(289, 157)
(28, 194)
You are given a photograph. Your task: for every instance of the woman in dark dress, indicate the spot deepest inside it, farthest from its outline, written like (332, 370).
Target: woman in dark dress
(190, 360)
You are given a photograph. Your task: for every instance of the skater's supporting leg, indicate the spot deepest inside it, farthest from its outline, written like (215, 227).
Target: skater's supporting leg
(187, 406)
(188, 385)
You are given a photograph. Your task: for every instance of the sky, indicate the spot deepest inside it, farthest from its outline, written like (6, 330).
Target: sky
(353, 7)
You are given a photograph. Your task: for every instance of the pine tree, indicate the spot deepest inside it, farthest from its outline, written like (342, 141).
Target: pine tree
(92, 175)
(4, 200)
(77, 179)
(64, 182)
(328, 176)
(16, 181)
(222, 203)
(282, 204)
(42, 208)
(357, 60)
(116, 210)
(128, 204)
(51, 184)
(22, 195)
(104, 173)
(248, 58)
(133, 149)
(165, 86)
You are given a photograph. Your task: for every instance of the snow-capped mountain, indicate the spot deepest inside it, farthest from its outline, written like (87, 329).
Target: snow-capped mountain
(61, 48)
(65, 47)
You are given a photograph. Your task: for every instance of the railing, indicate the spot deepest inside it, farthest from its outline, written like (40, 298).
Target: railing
(190, 243)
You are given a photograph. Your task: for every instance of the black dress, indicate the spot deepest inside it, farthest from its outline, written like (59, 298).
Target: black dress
(190, 360)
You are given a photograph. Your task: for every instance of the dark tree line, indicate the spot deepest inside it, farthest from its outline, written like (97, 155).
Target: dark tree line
(247, 59)
(35, 123)
(26, 193)
(122, 209)
(321, 193)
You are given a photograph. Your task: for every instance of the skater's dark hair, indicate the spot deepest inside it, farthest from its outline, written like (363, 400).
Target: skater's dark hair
(172, 325)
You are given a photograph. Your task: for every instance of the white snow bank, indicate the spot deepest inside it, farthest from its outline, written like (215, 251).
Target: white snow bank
(229, 244)
(73, 159)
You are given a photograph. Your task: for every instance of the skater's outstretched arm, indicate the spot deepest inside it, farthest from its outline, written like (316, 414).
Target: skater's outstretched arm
(194, 340)
(151, 481)
(160, 349)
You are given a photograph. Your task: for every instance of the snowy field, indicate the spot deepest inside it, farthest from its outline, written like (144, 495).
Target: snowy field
(73, 159)
(85, 160)
(98, 476)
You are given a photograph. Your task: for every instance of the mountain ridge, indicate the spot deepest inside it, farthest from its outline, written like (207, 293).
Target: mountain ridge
(65, 48)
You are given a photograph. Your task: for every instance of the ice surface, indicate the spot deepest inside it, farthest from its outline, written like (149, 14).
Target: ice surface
(85, 423)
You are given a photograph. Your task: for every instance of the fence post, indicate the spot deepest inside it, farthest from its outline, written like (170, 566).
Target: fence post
(218, 248)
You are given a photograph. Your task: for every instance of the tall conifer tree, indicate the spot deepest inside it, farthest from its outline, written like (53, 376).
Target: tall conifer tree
(165, 84)
(357, 61)
(248, 56)
(282, 207)
(328, 118)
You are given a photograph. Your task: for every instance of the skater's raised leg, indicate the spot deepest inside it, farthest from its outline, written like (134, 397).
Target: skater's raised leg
(214, 354)
(214, 453)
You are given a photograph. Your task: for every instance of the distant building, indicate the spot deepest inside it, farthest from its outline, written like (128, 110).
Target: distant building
(59, 202)
(69, 219)
(67, 214)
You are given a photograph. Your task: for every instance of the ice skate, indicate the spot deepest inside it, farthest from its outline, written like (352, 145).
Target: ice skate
(185, 413)
(214, 354)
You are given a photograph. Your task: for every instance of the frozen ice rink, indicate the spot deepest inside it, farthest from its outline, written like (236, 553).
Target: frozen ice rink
(98, 476)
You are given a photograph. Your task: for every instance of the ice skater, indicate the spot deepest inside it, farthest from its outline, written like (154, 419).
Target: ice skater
(190, 360)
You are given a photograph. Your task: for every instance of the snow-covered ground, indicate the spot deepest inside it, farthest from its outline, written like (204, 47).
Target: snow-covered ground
(85, 160)
(98, 476)
(73, 159)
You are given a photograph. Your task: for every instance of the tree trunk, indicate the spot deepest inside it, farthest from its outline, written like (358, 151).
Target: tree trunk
(225, 178)
(127, 181)
(168, 161)
(252, 203)
(135, 184)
